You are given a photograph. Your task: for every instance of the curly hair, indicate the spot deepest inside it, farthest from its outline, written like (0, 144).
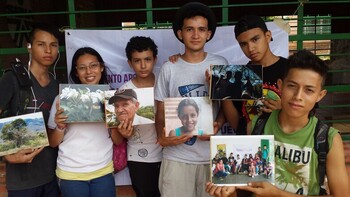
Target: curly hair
(140, 44)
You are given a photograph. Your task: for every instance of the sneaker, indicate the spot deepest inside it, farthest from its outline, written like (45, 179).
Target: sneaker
(252, 176)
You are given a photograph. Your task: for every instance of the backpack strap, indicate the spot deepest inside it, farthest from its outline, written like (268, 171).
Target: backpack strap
(260, 124)
(321, 148)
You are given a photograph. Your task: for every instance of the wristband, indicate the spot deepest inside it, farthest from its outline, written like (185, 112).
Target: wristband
(60, 129)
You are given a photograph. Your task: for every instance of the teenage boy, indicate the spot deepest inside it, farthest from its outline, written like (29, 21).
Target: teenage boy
(144, 153)
(31, 172)
(185, 165)
(293, 127)
(254, 38)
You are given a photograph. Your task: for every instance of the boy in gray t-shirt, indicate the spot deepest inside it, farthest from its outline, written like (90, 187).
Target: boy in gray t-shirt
(185, 166)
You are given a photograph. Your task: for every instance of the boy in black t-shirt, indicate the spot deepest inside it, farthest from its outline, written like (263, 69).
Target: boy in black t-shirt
(31, 172)
(253, 37)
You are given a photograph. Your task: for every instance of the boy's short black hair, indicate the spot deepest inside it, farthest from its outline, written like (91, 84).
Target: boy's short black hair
(193, 9)
(305, 59)
(44, 27)
(248, 22)
(140, 44)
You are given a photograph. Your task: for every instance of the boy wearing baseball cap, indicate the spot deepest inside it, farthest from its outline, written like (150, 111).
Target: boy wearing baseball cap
(185, 165)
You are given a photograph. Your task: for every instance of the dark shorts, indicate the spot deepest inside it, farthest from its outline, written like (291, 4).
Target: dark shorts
(47, 190)
(144, 178)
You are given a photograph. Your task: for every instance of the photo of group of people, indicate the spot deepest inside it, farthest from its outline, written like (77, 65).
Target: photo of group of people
(235, 162)
(236, 82)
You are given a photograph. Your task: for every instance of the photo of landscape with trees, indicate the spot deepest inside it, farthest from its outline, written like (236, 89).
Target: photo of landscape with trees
(22, 132)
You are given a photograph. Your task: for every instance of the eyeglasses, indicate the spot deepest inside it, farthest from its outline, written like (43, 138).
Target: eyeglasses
(92, 66)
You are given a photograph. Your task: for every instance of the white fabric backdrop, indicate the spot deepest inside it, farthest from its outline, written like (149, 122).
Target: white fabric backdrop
(111, 45)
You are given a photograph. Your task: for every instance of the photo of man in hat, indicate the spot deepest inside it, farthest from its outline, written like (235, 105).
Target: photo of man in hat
(185, 165)
(126, 105)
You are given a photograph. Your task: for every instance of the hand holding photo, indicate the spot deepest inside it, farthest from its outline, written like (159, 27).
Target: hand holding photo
(22, 132)
(188, 116)
(237, 160)
(82, 102)
(135, 105)
(235, 82)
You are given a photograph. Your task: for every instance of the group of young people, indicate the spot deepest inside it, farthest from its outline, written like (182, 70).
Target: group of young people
(78, 161)
(80, 154)
(248, 165)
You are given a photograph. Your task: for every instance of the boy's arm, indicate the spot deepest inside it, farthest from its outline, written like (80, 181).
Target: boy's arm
(231, 113)
(220, 120)
(159, 120)
(117, 138)
(23, 156)
(160, 124)
(337, 176)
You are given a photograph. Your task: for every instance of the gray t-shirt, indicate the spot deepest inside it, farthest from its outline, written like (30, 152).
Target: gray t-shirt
(184, 79)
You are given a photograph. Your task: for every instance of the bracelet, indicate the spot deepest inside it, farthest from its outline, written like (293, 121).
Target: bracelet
(60, 129)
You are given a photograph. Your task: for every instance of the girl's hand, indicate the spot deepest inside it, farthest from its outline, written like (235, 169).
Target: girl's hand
(60, 118)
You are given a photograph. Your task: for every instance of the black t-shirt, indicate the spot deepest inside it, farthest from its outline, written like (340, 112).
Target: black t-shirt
(42, 169)
(249, 109)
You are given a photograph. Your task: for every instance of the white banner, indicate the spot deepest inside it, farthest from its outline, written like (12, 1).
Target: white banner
(111, 46)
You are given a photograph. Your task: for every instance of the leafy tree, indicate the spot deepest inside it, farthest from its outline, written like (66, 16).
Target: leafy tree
(15, 131)
(146, 111)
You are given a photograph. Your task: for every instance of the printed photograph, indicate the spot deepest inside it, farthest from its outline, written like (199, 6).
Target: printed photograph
(188, 116)
(82, 102)
(129, 104)
(235, 82)
(237, 160)
(22, 132)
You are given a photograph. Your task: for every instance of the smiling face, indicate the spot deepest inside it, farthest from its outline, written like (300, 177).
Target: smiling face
(189, 118)
(89, 69)
(194, 33)
(125, 109)
(44, 48)
(142, 63)
(254, 44)
(300, 91)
